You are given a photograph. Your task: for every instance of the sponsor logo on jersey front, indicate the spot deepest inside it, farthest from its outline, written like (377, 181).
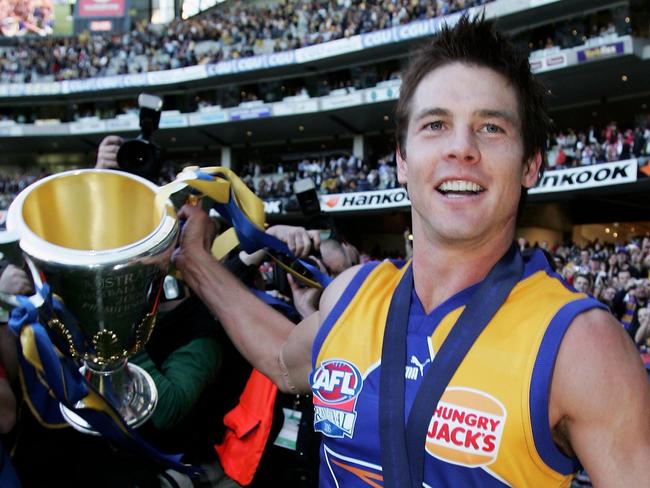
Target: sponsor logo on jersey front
(336, 385)
(466, 428)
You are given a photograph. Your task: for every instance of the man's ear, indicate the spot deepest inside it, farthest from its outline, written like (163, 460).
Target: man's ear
(401, 166)
(531, 170)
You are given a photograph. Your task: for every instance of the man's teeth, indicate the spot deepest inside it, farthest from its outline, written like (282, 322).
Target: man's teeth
(460, 186)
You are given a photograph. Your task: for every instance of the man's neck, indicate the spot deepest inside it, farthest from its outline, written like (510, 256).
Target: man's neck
(439, 271)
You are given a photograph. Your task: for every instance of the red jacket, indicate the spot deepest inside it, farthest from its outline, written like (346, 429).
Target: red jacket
(248, 426)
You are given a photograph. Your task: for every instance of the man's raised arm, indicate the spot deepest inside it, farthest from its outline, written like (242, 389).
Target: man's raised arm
(268, 340)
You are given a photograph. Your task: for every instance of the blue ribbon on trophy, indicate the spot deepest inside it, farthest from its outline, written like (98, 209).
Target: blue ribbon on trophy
(51, 378)
(252, 238)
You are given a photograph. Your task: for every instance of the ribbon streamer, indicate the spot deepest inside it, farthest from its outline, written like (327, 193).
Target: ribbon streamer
(51, 378)
(241, 208)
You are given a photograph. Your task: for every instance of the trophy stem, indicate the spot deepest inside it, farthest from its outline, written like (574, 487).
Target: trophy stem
(127, 387)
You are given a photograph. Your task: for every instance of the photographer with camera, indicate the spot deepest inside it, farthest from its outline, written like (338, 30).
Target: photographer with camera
(139, 156)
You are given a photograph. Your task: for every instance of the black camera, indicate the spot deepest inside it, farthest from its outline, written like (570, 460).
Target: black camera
(141, 156)
(305, 191)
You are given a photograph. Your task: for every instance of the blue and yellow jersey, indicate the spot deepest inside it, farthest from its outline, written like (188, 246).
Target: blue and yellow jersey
(491, 426)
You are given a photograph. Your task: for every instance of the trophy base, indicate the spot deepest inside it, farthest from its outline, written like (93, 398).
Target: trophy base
(137, 405)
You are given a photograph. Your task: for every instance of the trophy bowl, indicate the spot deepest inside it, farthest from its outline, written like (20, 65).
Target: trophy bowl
(102, 241)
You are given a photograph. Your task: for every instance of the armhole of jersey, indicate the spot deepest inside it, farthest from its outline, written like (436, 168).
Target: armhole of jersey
(540, 386)
(340, 306)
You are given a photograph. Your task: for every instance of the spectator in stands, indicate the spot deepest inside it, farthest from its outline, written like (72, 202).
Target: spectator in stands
(583, 265)
(558, 263)
(635, 258)
(606, 296)
(646, 265)
(582, 283)
(622, 261)
(643, 332)
(623, 283)
(635, 300)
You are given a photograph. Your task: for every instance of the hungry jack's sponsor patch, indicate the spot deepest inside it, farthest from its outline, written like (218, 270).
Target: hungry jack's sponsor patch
(466, 428)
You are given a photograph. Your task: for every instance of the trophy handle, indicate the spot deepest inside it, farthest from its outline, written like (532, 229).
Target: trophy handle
(10, 250)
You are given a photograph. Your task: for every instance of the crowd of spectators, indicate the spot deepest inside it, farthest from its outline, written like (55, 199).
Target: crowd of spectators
(573, 32)
(13, 183)
(335, 174)
(238, 30)
(569, 149)
(617, 275)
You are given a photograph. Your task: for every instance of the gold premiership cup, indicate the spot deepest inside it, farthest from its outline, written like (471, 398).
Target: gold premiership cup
(103, 242)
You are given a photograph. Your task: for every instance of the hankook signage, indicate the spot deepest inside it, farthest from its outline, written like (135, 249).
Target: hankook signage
(369, 200)
(583, 177)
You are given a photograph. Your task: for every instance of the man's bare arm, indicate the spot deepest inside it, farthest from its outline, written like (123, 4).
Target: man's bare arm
(600, 401)
(297, 351)
(268, 340)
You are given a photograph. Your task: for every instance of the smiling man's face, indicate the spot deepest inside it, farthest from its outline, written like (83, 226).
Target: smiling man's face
(464, 166)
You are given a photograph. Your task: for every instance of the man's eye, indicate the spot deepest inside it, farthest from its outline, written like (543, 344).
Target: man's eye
(437, 125)
(493, 129)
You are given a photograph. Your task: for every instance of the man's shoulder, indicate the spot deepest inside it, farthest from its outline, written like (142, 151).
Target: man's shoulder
(334, 291)
(594, 332)
(596, 353)
(352, 278)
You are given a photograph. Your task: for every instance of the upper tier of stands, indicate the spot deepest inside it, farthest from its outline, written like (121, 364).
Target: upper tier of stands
(221, 34)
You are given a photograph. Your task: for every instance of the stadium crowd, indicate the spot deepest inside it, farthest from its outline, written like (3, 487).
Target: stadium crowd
(569, 148)
(616, 274)
(336, 174)
(240, 30)
(574, 32)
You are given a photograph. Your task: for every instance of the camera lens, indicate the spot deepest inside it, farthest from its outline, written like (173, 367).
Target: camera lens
(139, 157)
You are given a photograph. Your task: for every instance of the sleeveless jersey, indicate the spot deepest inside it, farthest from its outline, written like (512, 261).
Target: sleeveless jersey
(491, 426)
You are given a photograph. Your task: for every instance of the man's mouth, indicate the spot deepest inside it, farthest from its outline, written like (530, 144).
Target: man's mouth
(459, 188)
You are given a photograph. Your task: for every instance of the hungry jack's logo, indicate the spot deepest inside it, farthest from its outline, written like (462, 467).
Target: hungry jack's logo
(336, 385)
(466, 428)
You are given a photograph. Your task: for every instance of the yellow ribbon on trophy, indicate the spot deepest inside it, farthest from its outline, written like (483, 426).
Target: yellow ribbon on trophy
(227, 185)
(222, 184)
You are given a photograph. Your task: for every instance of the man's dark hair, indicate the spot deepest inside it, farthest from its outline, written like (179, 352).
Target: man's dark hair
(476, 43)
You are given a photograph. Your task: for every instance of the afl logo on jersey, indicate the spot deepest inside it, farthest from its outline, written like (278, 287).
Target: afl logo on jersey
(336, 381)
(336, 385)
(466, 428)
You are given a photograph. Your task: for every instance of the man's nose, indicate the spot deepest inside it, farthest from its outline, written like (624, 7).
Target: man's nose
(463, 146)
